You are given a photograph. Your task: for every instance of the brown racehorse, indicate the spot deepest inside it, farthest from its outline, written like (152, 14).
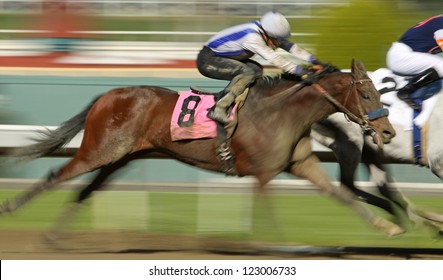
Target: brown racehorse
(272, 135)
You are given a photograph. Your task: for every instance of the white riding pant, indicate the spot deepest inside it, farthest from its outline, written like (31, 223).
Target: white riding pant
(403, 60)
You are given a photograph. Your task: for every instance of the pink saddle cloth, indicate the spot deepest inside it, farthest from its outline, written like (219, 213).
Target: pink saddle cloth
(189, 119)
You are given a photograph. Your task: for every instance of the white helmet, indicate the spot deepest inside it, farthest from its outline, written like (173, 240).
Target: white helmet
(275, 25)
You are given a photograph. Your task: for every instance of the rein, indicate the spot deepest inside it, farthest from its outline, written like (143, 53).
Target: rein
(362, 121)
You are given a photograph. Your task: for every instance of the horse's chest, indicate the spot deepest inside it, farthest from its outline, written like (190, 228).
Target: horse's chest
(267, 145)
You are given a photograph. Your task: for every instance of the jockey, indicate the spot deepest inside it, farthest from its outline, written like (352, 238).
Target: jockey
(226, 56)
(414, 54)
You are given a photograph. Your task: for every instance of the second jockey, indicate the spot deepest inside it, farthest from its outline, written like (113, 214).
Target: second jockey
(415, 54)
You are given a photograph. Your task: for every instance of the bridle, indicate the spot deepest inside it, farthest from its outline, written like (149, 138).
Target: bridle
(364, 119)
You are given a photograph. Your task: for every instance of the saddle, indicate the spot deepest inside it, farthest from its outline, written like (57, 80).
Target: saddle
(421, 89)
(190, 121)
(426, 92)
(224, 133)
(199, 90)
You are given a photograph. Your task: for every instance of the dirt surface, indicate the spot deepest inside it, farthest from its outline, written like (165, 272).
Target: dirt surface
(31, 245)
(24, 244)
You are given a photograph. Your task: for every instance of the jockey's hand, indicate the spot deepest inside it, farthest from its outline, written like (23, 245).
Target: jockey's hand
(306, 74)
(322, 65)
(317, 67)
(301, 70)
(309, 79)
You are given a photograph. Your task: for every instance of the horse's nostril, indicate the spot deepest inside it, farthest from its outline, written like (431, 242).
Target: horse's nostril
(388, 134)
(392, 133)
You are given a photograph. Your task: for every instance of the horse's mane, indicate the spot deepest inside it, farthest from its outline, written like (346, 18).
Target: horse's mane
(267, 81)
(270, 81)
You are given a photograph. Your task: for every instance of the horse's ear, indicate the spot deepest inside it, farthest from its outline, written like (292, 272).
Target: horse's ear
(361, 66)
(353, 68)
(358, 69)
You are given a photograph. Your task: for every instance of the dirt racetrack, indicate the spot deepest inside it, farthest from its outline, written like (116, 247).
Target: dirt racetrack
(31, 245)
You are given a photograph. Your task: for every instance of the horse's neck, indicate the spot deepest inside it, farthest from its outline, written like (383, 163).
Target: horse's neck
(292, 99)
(274, 96)
(307, 102)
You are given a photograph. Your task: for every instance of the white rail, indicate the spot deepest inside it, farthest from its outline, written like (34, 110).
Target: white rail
(13, 136)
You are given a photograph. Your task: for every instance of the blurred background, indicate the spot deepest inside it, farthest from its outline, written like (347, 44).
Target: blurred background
(336, 30)
(56, 56)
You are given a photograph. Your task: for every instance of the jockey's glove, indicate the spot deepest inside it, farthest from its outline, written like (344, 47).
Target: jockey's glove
(309, 79)
(306, 74)
(301, 70)
(320, 66)
(313, 60)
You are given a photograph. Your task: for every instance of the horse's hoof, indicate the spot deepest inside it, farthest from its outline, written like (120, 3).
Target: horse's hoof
(52, 240)
(388, 228)
(395, 230)
(50, 236)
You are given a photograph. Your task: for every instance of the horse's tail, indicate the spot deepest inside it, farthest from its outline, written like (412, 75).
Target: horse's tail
(52, 140)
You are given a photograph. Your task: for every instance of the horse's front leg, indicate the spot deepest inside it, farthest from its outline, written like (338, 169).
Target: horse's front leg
(310, 169)
(434, 156)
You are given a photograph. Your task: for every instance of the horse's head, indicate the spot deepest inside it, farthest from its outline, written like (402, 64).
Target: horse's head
(360, 100)
(368, 103)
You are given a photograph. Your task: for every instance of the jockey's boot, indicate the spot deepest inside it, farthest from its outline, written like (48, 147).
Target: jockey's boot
(219, 113)
(426, 77)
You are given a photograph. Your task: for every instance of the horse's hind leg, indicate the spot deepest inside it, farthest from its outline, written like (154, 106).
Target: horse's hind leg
(381, 176)
(311, 169)
(70, 212)
(435, 161)
(53, 179)
(11, 205)
(73, 168)
(88, 158)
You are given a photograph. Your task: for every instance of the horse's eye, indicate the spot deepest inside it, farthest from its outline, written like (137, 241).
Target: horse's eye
(367, 97)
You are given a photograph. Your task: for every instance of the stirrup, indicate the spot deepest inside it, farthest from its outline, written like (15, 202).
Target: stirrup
(226, 158)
